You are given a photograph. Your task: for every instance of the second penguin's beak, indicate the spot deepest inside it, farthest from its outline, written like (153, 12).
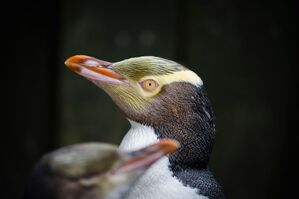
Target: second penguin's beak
(145, 157)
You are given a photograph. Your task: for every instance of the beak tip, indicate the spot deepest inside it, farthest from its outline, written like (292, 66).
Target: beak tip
(169, 145)
(67, 62)
(72, 62)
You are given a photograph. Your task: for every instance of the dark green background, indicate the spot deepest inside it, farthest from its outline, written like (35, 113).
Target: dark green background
(243, 50)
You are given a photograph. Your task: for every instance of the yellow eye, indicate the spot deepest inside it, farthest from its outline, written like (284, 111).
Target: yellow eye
(149, 85)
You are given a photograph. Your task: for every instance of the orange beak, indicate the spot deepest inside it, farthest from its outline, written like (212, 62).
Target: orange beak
(92, 68)
(145, 157)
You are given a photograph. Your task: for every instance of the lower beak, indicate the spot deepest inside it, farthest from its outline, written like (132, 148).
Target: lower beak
(145, 157)
(93, 69)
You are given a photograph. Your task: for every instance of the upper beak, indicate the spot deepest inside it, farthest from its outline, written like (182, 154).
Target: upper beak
(145, 157)
(93, 68)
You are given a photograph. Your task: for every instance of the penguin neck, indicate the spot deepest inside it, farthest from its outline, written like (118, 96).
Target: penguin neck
(196, 139)
(159, 180)
(195, 146)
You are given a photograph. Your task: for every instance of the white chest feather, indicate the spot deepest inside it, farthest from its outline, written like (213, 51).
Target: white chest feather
(158, 182)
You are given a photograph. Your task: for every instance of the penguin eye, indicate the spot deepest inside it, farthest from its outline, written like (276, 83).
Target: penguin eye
(149, 85)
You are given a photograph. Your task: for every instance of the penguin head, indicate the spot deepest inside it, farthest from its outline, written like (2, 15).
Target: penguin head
(92, 170)
(143, 87)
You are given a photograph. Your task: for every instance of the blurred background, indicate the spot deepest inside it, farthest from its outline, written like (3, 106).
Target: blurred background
(243, 50)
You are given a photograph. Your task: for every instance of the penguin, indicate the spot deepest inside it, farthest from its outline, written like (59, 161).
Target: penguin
(161, 99)
(92, 170)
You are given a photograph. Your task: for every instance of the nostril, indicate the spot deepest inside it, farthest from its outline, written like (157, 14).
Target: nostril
(90, 62)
